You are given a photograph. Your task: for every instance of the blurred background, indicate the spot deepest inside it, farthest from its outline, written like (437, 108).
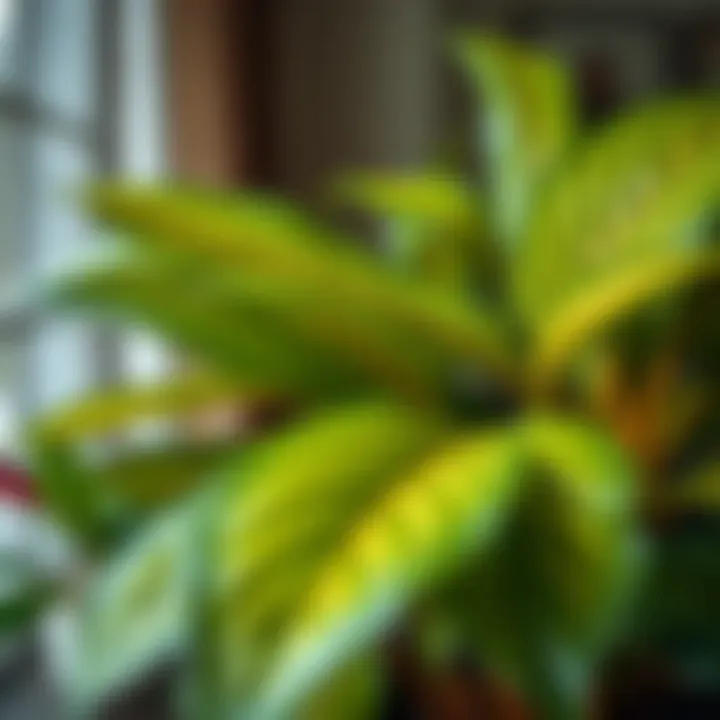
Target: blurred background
(273, 93)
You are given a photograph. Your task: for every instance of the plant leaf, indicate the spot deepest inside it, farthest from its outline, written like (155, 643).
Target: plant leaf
(150, 479)
(291, 513)
(633, 195)
(414, 534)
(335, 278)
(434, 225)
(544, 606)
(355, 693)
(20, 609)
(436, 199)
(71, 487)
(235, 334)
(73, 494)
(600, 487)
(117, 409)
(616, 297)
(140, 608)
(528, 123)
(698, 493)
(136, 613)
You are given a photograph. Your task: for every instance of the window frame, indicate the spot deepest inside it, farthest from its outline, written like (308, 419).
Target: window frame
(106, 137)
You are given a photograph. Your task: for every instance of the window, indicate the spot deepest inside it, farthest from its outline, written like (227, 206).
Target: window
(79, 97)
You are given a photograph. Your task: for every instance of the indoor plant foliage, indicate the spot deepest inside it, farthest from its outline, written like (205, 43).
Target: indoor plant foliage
(474, 448)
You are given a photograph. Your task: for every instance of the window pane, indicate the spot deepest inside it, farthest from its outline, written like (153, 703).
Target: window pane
(9, 40)
(9, 401)
(13, 177)
(66, 64)
(61, 361)
(61, 350)
(62, 232)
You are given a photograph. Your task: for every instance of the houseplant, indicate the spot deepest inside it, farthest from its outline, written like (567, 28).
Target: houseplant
(479, 424)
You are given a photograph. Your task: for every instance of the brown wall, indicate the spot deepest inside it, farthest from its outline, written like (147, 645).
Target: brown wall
(288, 92)
(206, 112)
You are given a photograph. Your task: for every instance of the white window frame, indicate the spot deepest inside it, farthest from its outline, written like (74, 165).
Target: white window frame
(124, 136)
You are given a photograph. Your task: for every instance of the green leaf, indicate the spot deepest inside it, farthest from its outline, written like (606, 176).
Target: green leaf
(698, 493)
(273, 339)
(607, 302)
(201, 686)
(414, 534)
(544, 606)
(633, 195)
(234, 334)
(141, 607)
(150, 479)
(303, 492)
(598, 495)
(528, 123)
(337, 280)
(355, 693)
(436, 199)
(434, 225)
(116, 409)
(88, 507)
(136, 614)
(259, 213)
(72, 493)
(322, 587)
(19, 609)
